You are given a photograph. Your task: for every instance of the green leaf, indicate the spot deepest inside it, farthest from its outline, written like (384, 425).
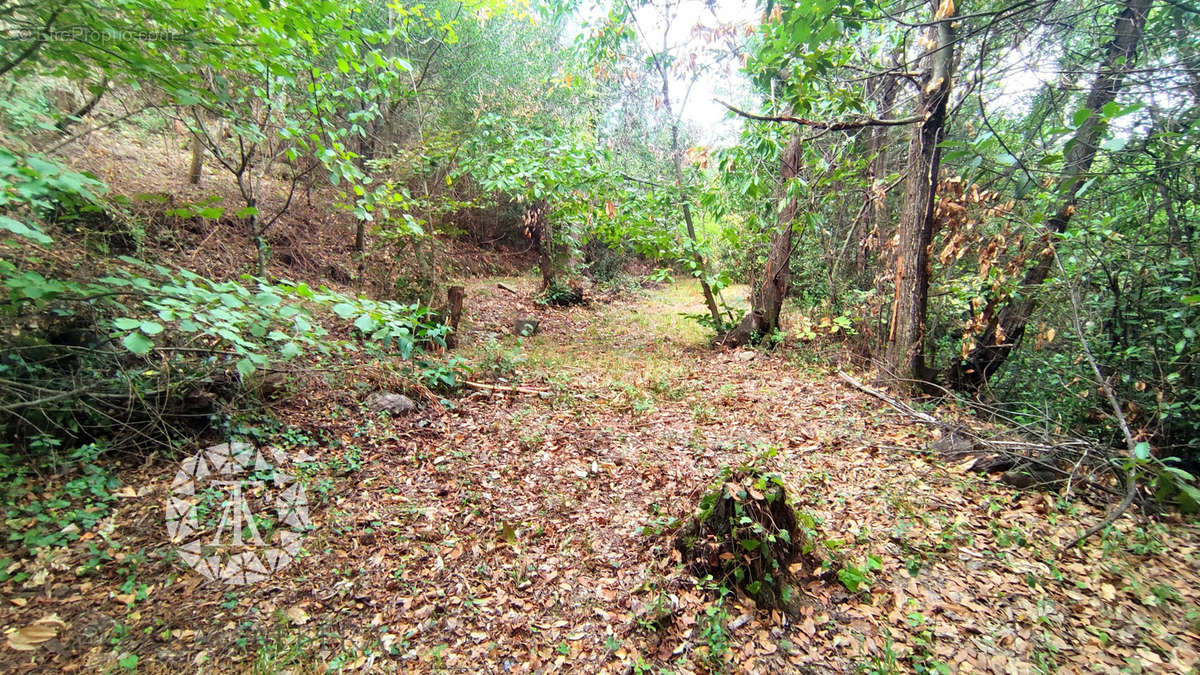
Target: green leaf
(245, 366)
(126, 323)
(151, 327)
(137, 343)
(1189, 498)
(1115, 144)
(365, 323)
(21, 229)
(1081, 116)
(851, 577)
(1179, 473)
(266, 299)
(345, 310)
(751, 544)
(1142, 451)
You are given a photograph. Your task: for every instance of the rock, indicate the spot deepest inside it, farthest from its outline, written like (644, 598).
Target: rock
(396, 404)
(525, 326)
(745, 356)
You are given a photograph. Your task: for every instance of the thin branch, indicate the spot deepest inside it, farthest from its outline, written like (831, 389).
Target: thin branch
(1130, 479)
(828, 126)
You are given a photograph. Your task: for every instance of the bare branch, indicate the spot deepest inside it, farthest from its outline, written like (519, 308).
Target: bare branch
(827, 126)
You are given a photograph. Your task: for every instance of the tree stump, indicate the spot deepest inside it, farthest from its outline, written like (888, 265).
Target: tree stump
(746, 532)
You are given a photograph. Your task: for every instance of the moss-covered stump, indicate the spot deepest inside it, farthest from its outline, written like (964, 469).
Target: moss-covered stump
(745, 533)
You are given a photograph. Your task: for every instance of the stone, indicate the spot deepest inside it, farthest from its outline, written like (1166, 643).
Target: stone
(525, 326)
(396, 404)
(745, 356)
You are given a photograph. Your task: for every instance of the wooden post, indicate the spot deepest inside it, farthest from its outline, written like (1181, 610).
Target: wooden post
(454, 301)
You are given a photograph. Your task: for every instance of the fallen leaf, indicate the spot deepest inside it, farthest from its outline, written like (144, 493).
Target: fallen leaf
(297, 615)
(30, 637)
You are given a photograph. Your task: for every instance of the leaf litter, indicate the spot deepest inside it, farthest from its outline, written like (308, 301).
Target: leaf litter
(522, 533)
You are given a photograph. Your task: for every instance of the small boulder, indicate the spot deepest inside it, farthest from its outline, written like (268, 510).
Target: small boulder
(526, 326)
(395, 404)
(746, 356)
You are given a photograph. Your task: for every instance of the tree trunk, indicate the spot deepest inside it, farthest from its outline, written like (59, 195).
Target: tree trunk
(709, 299)
(197, 166)
(1006, 327)
(260, 243)
(454, 308)
(545, 255)
(537, 228)
(905, 358)
(767, 302)
(885, 92)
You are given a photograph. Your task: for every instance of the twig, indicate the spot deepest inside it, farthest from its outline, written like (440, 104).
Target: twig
(514, 390)
(1112, 516)
(40, 401)
(505, 287)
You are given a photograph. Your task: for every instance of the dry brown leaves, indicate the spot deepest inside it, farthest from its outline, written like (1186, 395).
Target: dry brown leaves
(506, 534)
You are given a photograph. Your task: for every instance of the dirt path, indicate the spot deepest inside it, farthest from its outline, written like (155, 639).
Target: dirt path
(520, 533)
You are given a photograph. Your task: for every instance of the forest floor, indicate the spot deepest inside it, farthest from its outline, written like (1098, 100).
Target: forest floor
(522, 532)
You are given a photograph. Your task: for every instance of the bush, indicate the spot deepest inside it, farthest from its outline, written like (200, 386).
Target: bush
(147, 355)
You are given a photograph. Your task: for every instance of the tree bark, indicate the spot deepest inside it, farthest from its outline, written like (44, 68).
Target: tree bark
(545, 256)
(1005, 327)
(884, 90)
(454, 308)
(767, 302)
(905, 358)
(537, 228)
(261, 252)
(197, 166)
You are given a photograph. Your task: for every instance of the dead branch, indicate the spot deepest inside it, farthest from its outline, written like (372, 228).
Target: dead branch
(1007, 455)
(513, 390)
(505, 287)
(923, 417)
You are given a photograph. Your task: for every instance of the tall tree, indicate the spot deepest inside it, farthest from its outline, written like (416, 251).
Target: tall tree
(905, 356)
(883, 89)
(768, 297)
(1006, 323)
(662, 57)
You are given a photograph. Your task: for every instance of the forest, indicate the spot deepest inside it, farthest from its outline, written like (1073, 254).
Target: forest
(636, 336)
